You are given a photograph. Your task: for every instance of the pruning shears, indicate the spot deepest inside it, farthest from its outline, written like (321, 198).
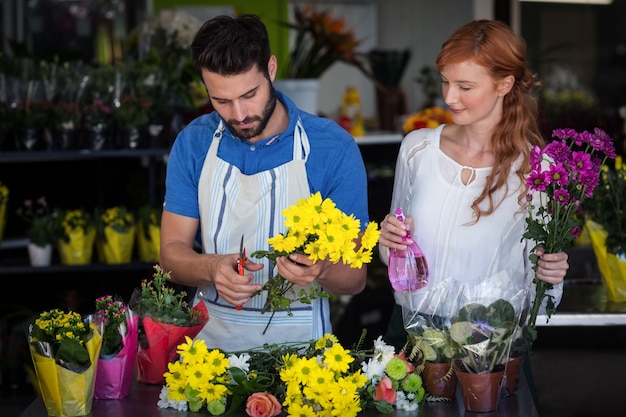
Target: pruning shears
(240, 262)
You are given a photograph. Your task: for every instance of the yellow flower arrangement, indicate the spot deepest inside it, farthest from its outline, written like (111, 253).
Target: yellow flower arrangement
(314, 378)
(317, 228)
(430, 117)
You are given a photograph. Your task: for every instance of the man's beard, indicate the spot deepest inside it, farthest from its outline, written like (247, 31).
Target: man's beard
(263, 120)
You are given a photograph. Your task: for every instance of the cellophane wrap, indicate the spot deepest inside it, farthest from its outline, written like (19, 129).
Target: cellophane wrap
(116, 247)
(66, 393)
(78, 250)
(149, 245)
(158, 344)
(115, 374)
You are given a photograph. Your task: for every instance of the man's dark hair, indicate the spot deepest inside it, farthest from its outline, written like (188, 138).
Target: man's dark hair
(228, 46)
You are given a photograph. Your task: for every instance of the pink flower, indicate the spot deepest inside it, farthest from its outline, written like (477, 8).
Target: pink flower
(263, 404)
(385, 391)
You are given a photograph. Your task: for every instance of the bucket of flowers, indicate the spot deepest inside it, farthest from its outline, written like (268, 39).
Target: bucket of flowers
(115, 238)
(316, 377)
(118, 325)
(165, 320)
(64, 347)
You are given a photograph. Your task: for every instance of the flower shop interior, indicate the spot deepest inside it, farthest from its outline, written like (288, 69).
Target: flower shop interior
(71, 49)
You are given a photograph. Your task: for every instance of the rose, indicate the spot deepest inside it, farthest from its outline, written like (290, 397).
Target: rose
(262, 404)
(385, 391)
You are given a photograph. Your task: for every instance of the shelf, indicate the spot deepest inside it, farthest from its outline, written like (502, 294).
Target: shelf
(84, 154)
(25, 269)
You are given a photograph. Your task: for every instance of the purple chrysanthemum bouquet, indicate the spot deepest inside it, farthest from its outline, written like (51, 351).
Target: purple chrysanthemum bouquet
(563, 174)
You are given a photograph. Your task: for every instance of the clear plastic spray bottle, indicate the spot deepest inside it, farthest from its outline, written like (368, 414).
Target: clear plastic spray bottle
(408, 269)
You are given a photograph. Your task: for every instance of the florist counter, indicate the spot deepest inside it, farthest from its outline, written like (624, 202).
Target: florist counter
(143, 399)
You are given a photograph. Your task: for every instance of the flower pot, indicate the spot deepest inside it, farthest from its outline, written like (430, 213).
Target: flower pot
(440, 380)
(116, 247)
(39, 255)
(149, 244)
(78, 250)
(29, 139)
(511, 375)
(129, 138)
(480, 392)
(66, 139)
(97, 137)
(303, 92)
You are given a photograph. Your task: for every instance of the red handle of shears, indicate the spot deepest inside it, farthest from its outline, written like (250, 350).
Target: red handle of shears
(241, 270)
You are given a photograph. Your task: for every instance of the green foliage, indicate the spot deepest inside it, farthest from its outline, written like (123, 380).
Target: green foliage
(163, 303)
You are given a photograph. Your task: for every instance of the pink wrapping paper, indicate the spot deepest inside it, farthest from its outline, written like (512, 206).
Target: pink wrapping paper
(114, 377)
(163, 340)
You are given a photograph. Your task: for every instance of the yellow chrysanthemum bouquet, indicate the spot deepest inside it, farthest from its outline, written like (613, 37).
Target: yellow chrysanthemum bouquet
(318, 229)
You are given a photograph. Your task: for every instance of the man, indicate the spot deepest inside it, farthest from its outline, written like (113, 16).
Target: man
(232, 172)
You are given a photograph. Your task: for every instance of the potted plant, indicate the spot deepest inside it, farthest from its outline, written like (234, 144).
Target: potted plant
(320, 41)
(77, 237)
(66, 118)
(118, 325)
(483, 334)
(131, 119)
(115, 234)
(165, 319)
(149, 233)
(64, 348)
(97, 121)
(42, 229)
(433, 348)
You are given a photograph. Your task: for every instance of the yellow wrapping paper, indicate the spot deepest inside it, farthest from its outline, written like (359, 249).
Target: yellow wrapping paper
(116, 247)
(612, 267)
(66, 393)
(149, 246)
(3, 219)
(79, 249)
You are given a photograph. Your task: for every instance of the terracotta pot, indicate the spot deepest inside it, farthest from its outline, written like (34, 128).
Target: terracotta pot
(439, 380)
(480, 392)
(511, 375)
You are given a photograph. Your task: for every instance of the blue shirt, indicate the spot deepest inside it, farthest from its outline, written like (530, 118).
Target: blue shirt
(334, 166)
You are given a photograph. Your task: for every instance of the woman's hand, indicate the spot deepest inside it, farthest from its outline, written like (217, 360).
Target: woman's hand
(551, 267)
(393, 232)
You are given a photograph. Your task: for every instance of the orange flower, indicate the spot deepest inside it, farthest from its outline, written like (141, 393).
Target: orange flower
(430, 117)
(263, 404)
(385, 391)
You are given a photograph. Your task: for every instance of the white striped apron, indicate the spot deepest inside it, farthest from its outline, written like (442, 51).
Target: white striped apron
(231, 204)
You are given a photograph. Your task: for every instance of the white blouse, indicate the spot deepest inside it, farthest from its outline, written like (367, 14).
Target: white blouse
(484, 260)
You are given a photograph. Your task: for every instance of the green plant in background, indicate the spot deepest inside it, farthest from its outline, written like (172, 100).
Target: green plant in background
(132, 112)
(41, 220)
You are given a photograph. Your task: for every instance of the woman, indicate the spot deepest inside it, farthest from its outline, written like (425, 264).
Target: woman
(462, 186)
